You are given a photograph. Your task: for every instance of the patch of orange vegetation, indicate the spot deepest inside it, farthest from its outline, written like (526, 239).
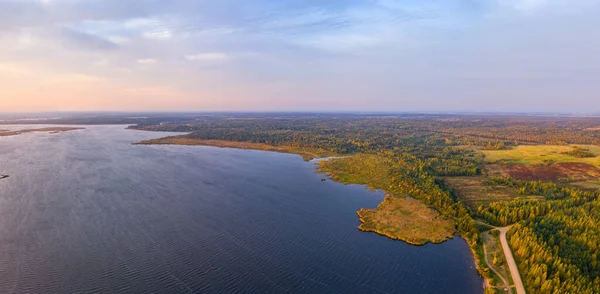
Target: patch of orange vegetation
(576, 171)
(406, 219)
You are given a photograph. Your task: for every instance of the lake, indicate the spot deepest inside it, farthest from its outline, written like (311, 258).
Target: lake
(86, 211)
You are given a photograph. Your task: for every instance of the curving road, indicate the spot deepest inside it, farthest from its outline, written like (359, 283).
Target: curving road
(510, 260)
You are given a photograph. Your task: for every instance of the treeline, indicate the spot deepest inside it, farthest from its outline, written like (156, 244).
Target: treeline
(547, 189)
(580, 153)
(451, 162)
(559, 253)
(414, 180)
(346, 135)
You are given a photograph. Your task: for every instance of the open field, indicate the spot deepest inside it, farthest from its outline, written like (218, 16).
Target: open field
(406, 219)
(540, 154)
(567, 171)
(546, 163)
(587, 185)
(306, 153)
(474, 192)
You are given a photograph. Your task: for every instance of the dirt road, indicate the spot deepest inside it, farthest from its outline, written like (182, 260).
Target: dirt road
(506, 284)
(510, 260)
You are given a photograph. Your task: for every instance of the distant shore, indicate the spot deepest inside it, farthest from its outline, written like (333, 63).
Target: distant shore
(51, 130)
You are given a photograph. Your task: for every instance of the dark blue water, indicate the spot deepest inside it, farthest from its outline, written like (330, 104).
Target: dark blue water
(86, 211)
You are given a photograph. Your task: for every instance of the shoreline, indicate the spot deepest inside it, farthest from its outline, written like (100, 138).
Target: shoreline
(409, 242)
(314, 158)
(50, 130)
(306, 154)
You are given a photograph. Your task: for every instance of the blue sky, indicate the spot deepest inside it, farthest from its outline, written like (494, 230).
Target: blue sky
(387, 55)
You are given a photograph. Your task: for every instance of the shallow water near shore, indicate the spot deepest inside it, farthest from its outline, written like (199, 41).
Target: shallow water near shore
(86, 211)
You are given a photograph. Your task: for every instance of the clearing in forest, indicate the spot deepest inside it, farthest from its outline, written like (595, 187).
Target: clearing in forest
(567, 171)
(578, 165)
(545, 154)
(474, 191)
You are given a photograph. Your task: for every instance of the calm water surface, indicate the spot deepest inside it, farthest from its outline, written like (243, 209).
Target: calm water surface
(86, 211)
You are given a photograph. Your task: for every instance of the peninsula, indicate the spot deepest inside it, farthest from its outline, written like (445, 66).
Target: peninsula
(536, 178)
(306, 153)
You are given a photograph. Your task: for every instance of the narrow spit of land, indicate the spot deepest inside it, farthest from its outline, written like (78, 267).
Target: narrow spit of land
(306, 153)
(51, 130)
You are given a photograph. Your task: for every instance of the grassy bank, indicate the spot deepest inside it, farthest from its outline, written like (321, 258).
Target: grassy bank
(406, 219)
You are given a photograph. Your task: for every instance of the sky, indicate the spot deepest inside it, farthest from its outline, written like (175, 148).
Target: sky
(300, 55)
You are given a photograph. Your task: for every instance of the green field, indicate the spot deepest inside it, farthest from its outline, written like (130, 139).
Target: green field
(537, 154)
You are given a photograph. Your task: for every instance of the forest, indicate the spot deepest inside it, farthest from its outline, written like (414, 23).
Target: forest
(554, 239)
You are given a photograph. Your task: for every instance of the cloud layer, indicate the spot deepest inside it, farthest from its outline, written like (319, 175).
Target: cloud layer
(440, 55)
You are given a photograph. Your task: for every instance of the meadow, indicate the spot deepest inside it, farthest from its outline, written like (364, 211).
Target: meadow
(542, 154)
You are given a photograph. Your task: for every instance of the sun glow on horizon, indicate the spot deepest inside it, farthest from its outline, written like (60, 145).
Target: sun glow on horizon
(493, 55)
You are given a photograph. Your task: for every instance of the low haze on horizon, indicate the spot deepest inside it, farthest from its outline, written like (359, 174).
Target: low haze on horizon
(268, 55)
